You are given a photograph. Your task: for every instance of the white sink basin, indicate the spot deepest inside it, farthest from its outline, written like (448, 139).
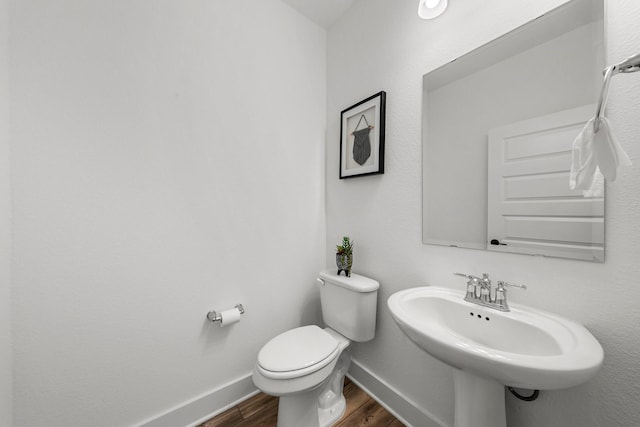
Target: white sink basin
(525, 348)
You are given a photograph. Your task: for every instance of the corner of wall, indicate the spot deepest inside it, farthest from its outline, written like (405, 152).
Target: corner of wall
(6, 367)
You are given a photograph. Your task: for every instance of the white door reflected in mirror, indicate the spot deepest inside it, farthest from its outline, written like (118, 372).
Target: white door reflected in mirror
(530, 207)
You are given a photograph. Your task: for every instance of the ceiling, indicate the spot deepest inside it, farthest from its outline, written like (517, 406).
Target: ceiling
(322, 12)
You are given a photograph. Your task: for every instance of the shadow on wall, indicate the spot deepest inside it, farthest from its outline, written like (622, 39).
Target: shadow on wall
(311, 312)
(212, 335)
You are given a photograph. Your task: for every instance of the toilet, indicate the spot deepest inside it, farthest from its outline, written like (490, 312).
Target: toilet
(306, 366)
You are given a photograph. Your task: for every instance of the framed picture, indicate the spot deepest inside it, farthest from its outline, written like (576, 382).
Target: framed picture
(362, 137)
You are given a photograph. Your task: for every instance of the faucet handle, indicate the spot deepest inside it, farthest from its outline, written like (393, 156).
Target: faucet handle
(501, 285)
(468, 276)
(501, 294)
(472, 284)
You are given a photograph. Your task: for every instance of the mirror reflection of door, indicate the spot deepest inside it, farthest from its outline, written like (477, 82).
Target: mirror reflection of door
(530, 208)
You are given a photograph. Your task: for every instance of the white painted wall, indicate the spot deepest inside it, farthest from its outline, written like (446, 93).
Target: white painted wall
(383, 45)
(6, 380)
(167, 160)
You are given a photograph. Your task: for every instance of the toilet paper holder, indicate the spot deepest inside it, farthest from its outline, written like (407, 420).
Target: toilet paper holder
(214, 316)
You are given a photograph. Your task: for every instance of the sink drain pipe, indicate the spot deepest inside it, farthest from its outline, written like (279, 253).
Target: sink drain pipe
(530, 398)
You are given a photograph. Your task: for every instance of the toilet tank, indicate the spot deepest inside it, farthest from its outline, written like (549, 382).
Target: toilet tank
(349, 304)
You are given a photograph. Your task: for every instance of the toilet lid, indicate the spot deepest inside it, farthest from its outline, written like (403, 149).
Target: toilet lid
(297, 349)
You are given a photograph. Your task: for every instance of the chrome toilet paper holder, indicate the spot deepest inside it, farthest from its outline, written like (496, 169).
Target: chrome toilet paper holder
(214, 316)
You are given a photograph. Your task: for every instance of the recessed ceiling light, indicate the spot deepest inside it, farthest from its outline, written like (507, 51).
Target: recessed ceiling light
(429, 9)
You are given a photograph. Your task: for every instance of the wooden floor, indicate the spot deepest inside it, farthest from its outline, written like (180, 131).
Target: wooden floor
(262, 411)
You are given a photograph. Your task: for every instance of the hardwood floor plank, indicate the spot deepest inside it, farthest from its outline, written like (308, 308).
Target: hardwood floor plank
(371, 414)
(229, 418)
(272, 421)
(261, 419)
(355, 396)
(380, 417)
(257, 403)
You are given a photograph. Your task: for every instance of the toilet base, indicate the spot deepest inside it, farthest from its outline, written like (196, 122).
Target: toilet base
(319, 407)
(328, 417)
(299, 410)
(332, 404)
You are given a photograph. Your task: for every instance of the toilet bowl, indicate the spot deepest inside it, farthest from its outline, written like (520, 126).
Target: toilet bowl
(306, 366)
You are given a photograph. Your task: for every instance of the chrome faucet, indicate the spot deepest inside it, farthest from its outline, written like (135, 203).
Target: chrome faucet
(485, 288)
(479, 291)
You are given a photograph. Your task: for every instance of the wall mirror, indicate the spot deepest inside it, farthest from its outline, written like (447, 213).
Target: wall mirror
(497, 126)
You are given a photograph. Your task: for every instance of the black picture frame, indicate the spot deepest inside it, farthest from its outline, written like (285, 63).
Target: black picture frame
(362, 152)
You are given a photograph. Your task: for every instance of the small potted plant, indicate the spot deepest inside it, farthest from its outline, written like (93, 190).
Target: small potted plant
(344, 256)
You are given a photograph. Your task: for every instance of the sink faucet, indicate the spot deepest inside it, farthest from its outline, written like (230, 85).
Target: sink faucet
(485, 288)
(479, 291)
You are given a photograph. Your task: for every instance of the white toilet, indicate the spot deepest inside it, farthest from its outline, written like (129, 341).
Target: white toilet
(306, 366)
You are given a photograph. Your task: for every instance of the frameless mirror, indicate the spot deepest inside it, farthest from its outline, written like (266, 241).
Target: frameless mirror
(498, 124)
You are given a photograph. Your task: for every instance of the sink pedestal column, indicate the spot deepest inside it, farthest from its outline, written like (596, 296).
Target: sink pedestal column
(479, 402)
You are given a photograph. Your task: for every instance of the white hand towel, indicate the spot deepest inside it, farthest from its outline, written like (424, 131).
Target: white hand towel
(596, 152)
(593, 152)
(597, 188)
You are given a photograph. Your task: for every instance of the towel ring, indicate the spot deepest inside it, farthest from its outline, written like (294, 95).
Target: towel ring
(629, 65)
(602, 101)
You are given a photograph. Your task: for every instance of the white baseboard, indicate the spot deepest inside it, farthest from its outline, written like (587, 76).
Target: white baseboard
(403, 408)
(202, 408)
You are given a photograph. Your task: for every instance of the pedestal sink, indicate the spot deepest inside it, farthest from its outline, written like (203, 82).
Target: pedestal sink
(524, 348)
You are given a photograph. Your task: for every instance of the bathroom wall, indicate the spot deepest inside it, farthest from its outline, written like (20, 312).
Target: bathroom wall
(383, 45)
(6, 382)
(167, 160)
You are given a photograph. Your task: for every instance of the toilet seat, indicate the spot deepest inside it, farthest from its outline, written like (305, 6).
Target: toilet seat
(297, 352)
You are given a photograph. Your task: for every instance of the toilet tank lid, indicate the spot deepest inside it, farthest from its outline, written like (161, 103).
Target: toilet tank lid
(355, 283)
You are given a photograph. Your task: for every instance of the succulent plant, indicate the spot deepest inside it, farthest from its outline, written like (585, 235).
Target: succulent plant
(346, 248)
